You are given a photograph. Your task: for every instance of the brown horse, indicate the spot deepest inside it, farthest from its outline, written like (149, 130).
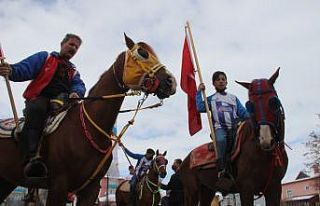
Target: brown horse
(149, 191)
(73, 152)
(262, 161)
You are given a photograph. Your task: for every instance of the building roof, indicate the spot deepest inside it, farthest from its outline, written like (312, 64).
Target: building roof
(302, 179)
(305, 197)
(302, 175)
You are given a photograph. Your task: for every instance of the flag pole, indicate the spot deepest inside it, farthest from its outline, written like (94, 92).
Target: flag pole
(212, 135)
(13, 106)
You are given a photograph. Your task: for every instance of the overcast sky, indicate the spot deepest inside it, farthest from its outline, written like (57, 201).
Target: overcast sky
(246, 39)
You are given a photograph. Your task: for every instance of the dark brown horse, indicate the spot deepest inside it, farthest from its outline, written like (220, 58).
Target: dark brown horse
(261, 162)
(149, 191)
(69, 153)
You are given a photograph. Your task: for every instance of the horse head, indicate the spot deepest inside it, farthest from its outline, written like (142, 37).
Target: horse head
(143, 71)
(159, 164)
(266, 110)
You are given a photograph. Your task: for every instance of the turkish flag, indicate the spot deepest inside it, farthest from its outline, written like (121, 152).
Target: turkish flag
(188, 85)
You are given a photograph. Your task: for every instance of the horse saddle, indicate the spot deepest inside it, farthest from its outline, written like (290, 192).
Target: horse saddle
(125, 186)
(204, 155)
(8, 127)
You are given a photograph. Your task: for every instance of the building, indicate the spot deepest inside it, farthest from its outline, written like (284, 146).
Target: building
(303, 191)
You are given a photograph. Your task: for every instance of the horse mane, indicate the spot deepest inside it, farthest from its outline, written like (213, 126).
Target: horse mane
(248, 130)
(116, 63)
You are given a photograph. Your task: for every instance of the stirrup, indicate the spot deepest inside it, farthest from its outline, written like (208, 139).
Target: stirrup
(35, 168)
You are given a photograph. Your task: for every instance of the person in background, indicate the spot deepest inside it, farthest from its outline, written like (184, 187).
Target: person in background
(175, 186)
(131, 172)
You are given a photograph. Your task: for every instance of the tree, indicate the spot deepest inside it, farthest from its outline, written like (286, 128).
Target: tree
(313, 152)
(313, 146)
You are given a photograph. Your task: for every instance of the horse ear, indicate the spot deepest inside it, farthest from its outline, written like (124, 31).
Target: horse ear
(129, 42)
(157, 152)
(244, 84)
(273, 78)
(164, 154)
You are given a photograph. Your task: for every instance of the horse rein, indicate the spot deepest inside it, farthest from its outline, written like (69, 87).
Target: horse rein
(149, 183)
(114, 137)
(156, 168)
(133, 53)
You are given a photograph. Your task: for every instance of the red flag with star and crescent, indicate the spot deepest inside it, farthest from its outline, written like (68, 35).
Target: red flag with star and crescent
(188, 85)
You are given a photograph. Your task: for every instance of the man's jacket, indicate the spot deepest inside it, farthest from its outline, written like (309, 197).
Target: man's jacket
(40, 68)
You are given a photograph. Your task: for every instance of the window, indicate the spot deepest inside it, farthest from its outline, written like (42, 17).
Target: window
(289, 193)
(306, 187)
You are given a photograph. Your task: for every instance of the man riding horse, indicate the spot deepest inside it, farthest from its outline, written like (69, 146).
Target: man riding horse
(51, 75)
(143, 164)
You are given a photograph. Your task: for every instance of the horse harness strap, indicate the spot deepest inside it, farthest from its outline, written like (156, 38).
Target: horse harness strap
(120, 84)
(82, 108)
(109, 150)
(154, 192)
(277, 161)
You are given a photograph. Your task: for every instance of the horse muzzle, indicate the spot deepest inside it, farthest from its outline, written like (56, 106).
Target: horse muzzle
(166, 84)
(163, 174)
(266, 139)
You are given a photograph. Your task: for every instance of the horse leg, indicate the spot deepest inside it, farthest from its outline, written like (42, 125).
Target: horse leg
(5, 189)
(122, 198)
(191, 197)
(273, 195)
(206, 196)
(89, 194)
(246, 198)
(57, 192)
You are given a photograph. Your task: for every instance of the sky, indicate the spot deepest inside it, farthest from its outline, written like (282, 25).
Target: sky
(247, 39)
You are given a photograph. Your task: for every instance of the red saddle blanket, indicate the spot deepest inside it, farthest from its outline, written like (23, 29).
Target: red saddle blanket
(201, 156)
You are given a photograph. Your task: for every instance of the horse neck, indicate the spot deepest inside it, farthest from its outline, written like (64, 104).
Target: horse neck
(153, 175)
(105, 112)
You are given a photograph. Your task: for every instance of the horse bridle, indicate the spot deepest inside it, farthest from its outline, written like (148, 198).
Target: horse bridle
(157, 168)
(278, 113)
(149, 183)
(139, 72)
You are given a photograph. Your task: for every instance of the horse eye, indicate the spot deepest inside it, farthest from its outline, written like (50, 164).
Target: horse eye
(250, 106)
(274, 103)
(143, 53)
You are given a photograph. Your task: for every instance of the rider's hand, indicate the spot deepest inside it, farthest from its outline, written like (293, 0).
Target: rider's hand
(201, 87)
(5, 69)
(73, 95)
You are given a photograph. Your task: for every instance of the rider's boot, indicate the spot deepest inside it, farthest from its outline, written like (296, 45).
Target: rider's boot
(34, 166)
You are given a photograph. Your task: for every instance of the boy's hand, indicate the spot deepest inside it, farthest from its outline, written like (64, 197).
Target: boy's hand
(5, 69)
(201, 87)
